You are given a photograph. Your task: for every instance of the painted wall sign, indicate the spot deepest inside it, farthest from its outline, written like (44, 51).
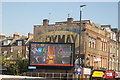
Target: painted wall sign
(59, 37)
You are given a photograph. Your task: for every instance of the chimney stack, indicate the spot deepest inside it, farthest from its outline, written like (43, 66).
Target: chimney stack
(2, 36)
(30, 35)
(45, 22)
(69, 20)
(16, 35)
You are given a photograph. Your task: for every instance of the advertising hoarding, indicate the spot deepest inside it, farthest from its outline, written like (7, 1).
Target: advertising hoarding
(51, 54)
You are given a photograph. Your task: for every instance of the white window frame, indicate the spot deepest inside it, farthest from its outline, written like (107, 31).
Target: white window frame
(20, 43)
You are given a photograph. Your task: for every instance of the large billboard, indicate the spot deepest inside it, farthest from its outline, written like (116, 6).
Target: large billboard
(51, 54)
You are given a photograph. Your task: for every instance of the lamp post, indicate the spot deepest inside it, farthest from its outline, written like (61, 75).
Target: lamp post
(80, 37)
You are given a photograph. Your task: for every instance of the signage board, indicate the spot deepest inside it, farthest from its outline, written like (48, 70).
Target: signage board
(87, 71)
(32, 67)
(78, 70)
(109, 74)
(97, 74)
(51, 54)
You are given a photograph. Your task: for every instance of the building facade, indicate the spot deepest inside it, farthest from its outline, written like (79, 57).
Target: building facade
(94, 43)
(116, 63)
(15, 47)
(100, 44)
(119, 51)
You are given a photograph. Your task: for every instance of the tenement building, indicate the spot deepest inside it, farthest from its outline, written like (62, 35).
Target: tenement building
(94, 42)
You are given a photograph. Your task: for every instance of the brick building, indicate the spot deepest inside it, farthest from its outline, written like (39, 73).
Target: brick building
(94, 42)
(117, 32)
(15, 47)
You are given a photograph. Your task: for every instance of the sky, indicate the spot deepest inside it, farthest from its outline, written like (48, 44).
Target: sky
(22, 16)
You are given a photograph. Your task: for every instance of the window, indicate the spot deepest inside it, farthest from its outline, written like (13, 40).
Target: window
(11, 49)
(105, 61)
(67, 29)
(91, 43)
(6, 42)
(100, 62)
(95, 62)
(0, 53)
(26, 56)
(117, 52)
(27, 48)
(5, 53)
(19, 53)
(113, 64)
(91, 60)
(110, 59)
(110, 63)
(19, 43)
(104, 46)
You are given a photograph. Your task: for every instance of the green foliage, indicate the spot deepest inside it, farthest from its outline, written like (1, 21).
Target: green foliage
(17, 68)
(22, 65)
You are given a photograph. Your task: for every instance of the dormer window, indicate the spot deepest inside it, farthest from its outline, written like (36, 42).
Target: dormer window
(6, 42)
(20, 43)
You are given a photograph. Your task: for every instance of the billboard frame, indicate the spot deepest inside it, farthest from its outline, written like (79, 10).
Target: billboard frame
(72, 58)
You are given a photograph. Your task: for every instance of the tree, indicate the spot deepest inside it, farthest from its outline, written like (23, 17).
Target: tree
(19, 67)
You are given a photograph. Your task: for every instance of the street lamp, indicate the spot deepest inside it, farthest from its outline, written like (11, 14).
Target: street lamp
(80, 37)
